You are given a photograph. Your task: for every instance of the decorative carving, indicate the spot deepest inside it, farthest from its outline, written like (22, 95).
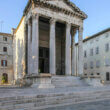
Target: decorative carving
(73, 31)
(29, 21)
(80, 34)
(78, 12)
(35, 16)
(52, 21)
(68, 25)
(80, 29)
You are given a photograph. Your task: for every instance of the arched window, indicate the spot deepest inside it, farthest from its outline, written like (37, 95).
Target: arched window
(4, 78)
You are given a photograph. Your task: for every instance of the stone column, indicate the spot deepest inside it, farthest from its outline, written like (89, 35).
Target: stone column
(35, 44)
(73, 32)
(68, 50)
(29, 47)
(80, 51)
(52, 47)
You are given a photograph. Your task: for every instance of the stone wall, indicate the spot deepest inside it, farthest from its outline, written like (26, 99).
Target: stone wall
(19, 53)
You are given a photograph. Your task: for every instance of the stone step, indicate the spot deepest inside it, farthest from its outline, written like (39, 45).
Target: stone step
(41, 97)
(35, 105)
(67, 82)
(53, 99)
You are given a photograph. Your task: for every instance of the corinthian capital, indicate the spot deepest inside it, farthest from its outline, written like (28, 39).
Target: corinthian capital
(81, 29)
(52, 21)
(29, 21)
(73, 31)
(68, 24)
(35, 16)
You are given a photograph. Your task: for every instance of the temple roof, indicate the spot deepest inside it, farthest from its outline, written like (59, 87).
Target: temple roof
(65, 5)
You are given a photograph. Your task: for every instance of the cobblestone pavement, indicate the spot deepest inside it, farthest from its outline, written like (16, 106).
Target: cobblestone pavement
(99, 105)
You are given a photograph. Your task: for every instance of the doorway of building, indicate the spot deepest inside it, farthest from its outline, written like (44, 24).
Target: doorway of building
(4, 78)
(43, 60)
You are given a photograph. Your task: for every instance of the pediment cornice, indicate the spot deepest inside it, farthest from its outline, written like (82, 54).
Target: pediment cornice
(44, 4)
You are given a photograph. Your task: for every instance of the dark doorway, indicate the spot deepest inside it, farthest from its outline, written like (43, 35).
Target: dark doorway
(60, 48)
(4, 78)
(107, 76)
(43, 60)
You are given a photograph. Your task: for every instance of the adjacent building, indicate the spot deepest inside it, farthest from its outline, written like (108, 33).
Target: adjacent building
(6, 59)
(96, 56)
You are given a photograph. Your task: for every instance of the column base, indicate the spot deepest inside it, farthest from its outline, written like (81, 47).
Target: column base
(41, 81)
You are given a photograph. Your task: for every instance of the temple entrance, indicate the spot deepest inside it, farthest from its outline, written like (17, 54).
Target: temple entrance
(60, 48)
(43, 60)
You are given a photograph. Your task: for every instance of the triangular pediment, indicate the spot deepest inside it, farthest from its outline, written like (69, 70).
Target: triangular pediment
(67, 5)
(60, 3)
(64, 6)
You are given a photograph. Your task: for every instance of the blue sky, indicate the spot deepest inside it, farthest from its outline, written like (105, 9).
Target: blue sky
(98, 12)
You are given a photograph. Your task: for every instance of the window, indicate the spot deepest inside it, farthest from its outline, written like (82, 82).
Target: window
(107, 76)
(107, 47)
(98, 73)
(4, 63)
(85, 66)
(91, 65)
(92, 74)
(85, 54)
(97, 64)
(4, 38)
(4, 49)
(91, 52)
(97, 50)
(107, 62)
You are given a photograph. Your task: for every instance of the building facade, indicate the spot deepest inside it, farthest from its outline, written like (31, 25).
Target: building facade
(44, 39)
(6, 59)
(96, 56)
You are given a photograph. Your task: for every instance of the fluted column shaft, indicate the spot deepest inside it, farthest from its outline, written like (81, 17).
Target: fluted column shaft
(80, 50)
(73, 32)
(52, 47)
(29, 47)
(68, 50)
(35, 44)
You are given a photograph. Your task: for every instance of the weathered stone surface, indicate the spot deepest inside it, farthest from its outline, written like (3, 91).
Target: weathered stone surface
(30, 99)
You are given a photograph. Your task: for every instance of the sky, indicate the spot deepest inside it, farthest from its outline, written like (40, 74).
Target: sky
(98, 12)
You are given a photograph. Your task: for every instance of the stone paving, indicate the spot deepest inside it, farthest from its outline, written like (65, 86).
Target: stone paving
(12, 92)
(99, 105)
(38, 99)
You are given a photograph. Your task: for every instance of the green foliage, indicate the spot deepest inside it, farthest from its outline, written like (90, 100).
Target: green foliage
(3, 79)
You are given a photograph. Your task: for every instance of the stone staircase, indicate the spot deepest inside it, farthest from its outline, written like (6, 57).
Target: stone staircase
(43, 101)
(67, 81)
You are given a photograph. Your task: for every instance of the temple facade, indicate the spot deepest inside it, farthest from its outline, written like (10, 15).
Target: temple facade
(44, 41)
